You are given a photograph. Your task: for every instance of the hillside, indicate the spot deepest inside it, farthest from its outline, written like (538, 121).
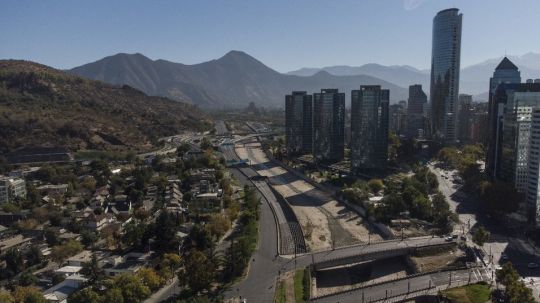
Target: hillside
(233, 80)
(40, 105)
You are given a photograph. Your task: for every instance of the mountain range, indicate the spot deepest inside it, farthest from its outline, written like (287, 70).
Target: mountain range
(237, 78)
(474, 79)
(233, 80)
(43, 106)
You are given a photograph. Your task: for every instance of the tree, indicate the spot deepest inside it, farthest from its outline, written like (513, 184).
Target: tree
(28, 294)
(481, 236)
(14, 261)
(61, 252)
(150, 278)
(218, 225)
(375, 185)
(133, 290)
(507, 274)
(92, 270)
(6, 297)
(85, 295)
(27, 279)
(515, 288)
(199, 272)
(169, 263)
(133, 234)
(34, 256)
(113, 295)
(89, 238)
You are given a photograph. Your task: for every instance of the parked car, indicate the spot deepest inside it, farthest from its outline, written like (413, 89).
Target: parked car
(504, 257)
(532, 265)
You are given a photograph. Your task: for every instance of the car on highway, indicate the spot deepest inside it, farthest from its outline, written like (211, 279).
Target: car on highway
(532, 265)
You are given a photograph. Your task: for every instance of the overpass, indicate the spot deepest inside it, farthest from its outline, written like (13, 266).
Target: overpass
(380, 250)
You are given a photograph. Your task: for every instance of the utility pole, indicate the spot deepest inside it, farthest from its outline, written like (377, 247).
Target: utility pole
(450, 278)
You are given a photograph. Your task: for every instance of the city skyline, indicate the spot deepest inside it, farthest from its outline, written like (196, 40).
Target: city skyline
(68, 34)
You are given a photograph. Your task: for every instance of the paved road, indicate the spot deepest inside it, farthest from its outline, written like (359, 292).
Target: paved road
(258, 286)
(221, 128)
(434, 282)
(512, 243)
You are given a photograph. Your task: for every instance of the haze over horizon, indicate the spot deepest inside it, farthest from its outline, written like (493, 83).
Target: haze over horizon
(65, 35)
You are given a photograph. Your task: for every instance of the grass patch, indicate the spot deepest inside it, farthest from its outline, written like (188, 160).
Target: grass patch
(280, 296)
(474, 293)
(301, 285)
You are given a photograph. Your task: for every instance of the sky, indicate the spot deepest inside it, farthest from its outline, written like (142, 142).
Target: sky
(283, 34)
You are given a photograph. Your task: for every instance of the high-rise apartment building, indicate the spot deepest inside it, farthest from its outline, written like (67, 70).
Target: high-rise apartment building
(415, 111)
(505, 72)
(328, 125)
(299, 123)
(369, 127)
(445, 62)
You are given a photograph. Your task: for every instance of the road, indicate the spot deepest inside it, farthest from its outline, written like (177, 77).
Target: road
(433, 282)
(503, 241)
(221, 128)
(258, 286)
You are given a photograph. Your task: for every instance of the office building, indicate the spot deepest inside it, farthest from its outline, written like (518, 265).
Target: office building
(398, 118)
(533, 186)
(328, 125)
(299, 123)
(11, 188)
(520, 100)
(465, 113)
(415, 111)
(369, 128)
(445, 62)
(505, 72)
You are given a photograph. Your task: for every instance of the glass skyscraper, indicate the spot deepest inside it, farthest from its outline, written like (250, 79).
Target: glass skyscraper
(299, 123)
(445, 62)
(328, 125)
(505, 72)
(369, 127)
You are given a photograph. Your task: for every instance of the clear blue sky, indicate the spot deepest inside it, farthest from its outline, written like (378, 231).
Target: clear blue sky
(284, 34)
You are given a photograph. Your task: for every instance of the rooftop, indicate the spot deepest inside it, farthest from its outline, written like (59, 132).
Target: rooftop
(506, 64)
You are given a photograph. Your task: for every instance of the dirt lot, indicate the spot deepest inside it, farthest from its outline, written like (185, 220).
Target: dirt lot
(323, 219)
(439, 260)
